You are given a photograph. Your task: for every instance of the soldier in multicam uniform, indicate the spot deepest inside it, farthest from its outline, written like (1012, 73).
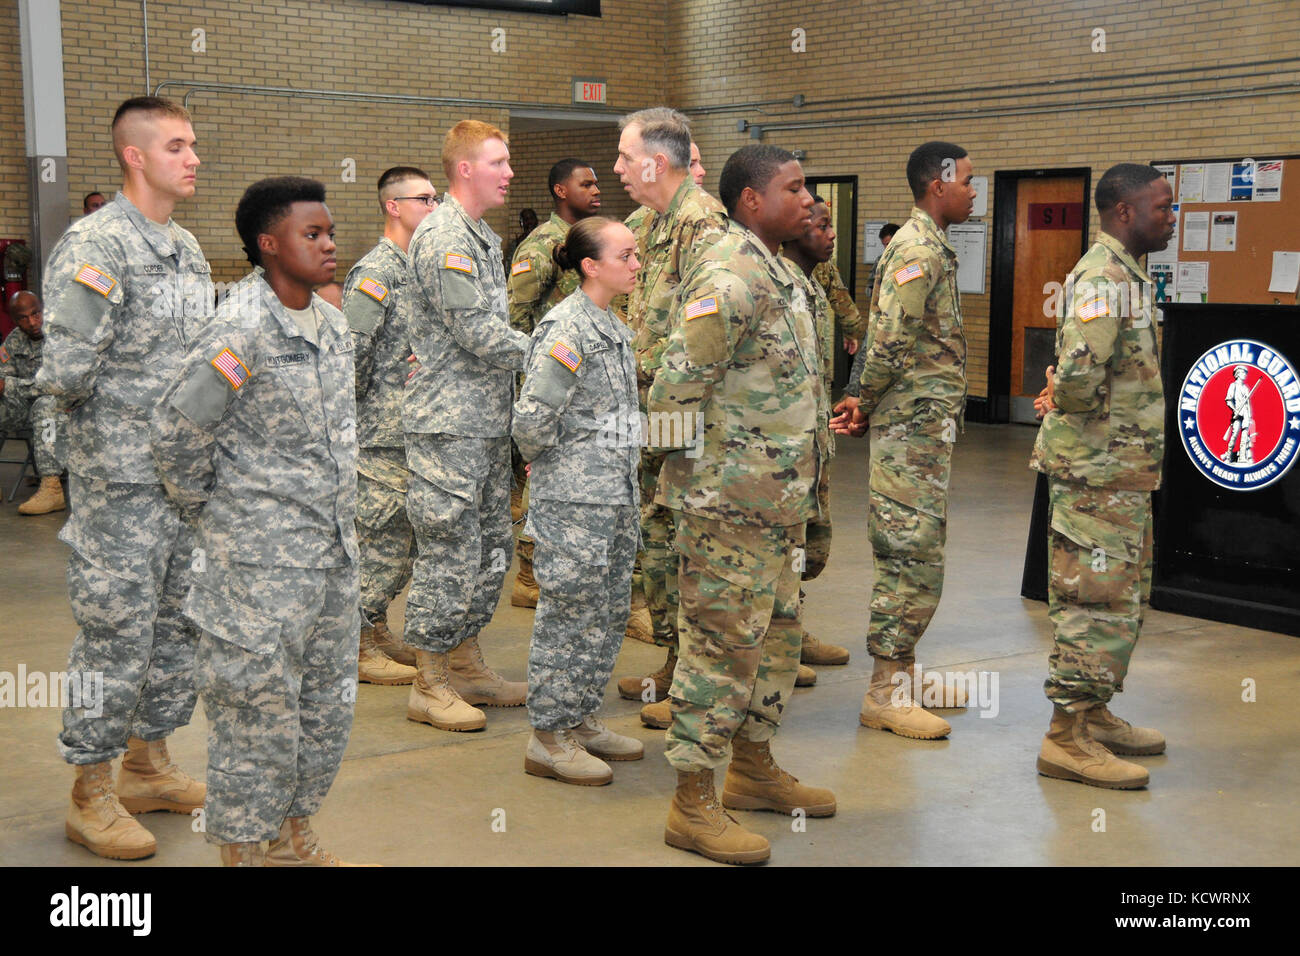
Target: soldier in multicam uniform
(815, 247)
(577, 422)
(127, 290)
(744, 357)
(1101, 445)
(257, 437)
(853, 385)
(913, 393)
(376, 301)
(21, 407)
(849, 322)
(536, 284)
(456, 415)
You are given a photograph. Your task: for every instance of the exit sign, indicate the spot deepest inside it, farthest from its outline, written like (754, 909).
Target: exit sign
(586, 90)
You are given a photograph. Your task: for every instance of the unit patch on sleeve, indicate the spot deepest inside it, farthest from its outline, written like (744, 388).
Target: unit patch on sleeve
(95, 279)
(231, 368)
(566, 356)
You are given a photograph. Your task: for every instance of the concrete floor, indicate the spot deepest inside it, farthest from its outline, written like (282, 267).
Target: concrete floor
(1225, 793)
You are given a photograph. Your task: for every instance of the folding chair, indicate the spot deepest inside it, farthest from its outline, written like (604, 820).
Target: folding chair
(23, 435)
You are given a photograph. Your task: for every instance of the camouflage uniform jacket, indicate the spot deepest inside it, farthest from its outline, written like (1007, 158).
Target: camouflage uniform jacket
(124, 297)
(259, 428)
(824, 322)
(744, 355)
(693, 222)
(20, 359)
(577, 419)
(376, 301)
(638, 221)
(1108, 427)
(536, 283)
(851, 323)
(915, 366)
(468, 353)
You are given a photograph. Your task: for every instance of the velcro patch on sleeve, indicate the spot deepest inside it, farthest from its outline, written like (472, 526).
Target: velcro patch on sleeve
(96, 279)
(1093, 308)
(565, 356)
(4, 354)
(231, 368)
(373, 289)
(458, 262)
(520, 267)
(701, 307)
(908, 273)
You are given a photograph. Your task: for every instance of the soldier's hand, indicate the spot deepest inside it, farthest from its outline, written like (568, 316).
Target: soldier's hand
(528, 470)
(415, 367)
(851, 345)
(849, 419)
(1045, 401)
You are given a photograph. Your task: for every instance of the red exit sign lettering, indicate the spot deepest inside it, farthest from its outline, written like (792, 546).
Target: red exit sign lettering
(588, 90)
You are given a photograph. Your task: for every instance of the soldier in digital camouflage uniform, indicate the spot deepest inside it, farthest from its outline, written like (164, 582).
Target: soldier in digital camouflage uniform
(456, 415)
(577, 423)
(535, 285)
(1101, 446)
(654, 166)
(376, 303)
(21, 407)
(744, 355)
(257, 435)
(126, 292)
(913, 393)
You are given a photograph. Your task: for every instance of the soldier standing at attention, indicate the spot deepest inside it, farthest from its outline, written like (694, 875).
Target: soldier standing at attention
(126, 292)
(577, 422)
(744, 356)
(1101, 445)
(456, 414)
(376, 303)
(813, 247)
(257, 437)
(654, 157)
(21, 407)
(913, 393)
(849, 322)
(536, 284)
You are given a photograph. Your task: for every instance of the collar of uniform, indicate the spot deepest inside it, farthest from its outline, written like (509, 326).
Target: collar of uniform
(559, 223)
(602, 319)
(158, 237)
(674, 204)
(482, 231)
(781, 269)
(273, 304)
(1117, 249)
(395, 247)
(929, 226)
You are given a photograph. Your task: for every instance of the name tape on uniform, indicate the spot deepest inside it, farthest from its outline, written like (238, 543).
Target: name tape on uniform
(231, 368)
(458, 262)
(93, 278)
(908, 273)
(373, 289)
(565, 356)
(702, 307)
(520, 267)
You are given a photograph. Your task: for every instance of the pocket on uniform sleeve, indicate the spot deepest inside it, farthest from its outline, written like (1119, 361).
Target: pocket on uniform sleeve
(222, 616)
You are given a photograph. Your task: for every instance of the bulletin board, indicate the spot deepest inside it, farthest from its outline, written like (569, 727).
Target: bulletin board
(1262, 227)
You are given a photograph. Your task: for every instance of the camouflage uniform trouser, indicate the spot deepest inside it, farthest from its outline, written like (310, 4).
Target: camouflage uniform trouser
(908, 525)
(1099, 556)
(817, 546)
(658, 559)
(384, 534)
(740, 637)
(458, 501)
(49, 427)
(127, 577)
(583, 566)
(519, 503)
(277, 670)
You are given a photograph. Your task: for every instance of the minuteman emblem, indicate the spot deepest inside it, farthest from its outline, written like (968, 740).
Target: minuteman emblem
(1239, 415)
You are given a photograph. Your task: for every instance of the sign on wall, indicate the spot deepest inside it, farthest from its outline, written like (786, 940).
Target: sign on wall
(588, 91)
(586, 8)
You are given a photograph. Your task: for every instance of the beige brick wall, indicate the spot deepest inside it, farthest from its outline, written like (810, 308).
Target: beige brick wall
(15, 216)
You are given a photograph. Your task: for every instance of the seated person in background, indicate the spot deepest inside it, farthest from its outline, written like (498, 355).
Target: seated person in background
(21, 407)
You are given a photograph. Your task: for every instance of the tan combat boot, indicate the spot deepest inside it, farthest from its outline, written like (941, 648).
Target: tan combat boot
(814, 651)
(1120, 737)
(479, 684)
(631, 688)
(639, 626)
(806, 676)
(658, 715)
(297, 845)
(1069, 752)
(48, 498)
(242, 854)
(755, 782)
(696, 822)
(150, 781)
(376, 667)
(524, 592)
(889, 706)
(433, 701)
(395, 649)
(100, 823)
(951, 697)
(598, 740)
(557, 755)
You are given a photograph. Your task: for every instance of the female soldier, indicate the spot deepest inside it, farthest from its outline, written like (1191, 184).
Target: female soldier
(577, 422)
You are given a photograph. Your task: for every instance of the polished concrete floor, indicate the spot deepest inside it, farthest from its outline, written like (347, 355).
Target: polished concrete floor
(1226, 793)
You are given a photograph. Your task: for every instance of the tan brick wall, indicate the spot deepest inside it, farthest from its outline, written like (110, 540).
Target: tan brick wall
(740, 52)
(533, 153)
(15, 215)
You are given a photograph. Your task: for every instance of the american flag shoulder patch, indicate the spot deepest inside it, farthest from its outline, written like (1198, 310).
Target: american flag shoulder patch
(700, 307)
(908, 273)
(565, 356)
(458, 262)
(96, 279)
(1093, 308)
(231, 368)
(520, 267)
(4, 354)
(373, 289)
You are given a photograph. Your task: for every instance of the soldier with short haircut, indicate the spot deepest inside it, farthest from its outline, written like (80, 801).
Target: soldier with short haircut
(376, 301)
(742, 354)
(22, 407)
(127, 290)
(913, 394)
(1101, 446)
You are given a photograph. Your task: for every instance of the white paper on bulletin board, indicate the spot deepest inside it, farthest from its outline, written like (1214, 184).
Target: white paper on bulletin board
(872, 247)
(970, 240)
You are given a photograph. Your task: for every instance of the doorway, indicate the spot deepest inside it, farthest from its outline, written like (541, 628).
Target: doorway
(841, 195)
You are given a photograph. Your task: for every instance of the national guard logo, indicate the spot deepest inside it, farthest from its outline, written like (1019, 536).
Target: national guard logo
(1239, 415)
